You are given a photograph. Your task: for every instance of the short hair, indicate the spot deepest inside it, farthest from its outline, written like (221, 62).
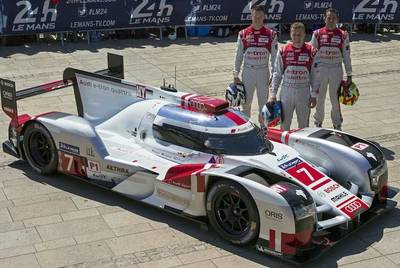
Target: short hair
(332, 10)
(297, 26)
(258, 8)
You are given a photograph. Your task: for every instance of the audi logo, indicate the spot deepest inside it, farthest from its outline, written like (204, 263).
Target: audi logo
(353, 206)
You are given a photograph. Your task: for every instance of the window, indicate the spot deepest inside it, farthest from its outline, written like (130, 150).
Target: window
(252, 142)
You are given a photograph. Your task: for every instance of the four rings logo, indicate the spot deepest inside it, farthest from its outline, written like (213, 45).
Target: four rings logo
(147, 12)
(273, 11)
(352, 207)
(375, 10)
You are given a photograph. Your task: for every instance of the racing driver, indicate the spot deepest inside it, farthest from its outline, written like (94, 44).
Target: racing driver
(297, 67)
(256, 45)
(333, 47)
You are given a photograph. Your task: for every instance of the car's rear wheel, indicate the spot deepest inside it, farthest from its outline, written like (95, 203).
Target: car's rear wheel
(233, 213)
(40, 150)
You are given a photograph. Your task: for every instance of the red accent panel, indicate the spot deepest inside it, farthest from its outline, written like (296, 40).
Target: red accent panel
(354, 208)
(201, 184)
(23, 118)
(180, 175)
(287, 137)
(72, 164)
(272, 239)
(321, 184)
(235, 118)
(183, 101)
(274, 135)
(291, 242)
(305, 173)
(204, 104)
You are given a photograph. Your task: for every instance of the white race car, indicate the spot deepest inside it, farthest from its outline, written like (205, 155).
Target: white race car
(292, 194)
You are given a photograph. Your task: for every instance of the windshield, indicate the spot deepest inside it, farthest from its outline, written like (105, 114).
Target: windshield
(252, 142)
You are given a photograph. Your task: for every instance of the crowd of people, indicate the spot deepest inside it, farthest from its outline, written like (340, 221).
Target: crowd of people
(304, 72)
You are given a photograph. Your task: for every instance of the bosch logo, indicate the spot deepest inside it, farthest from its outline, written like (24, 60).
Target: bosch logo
(352, 207)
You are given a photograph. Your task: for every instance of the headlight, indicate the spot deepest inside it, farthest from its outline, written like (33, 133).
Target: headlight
(375, 174)
(302, 212)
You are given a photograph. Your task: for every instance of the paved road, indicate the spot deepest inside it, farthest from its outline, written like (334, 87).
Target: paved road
(58, 221)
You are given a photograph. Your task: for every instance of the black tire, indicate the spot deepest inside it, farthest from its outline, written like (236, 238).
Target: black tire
(40, 150)
(232, 213)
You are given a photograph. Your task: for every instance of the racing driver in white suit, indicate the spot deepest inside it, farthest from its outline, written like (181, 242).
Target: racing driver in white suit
(256, 45)
(297, 68)
(333, 48)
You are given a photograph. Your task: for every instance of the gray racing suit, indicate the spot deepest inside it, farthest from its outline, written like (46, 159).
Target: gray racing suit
(333, 49)
(255, 48)
(298, 69)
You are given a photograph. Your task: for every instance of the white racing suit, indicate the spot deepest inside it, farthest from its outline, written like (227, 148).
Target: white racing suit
(255, 48)
(297, 69)
(333, 49)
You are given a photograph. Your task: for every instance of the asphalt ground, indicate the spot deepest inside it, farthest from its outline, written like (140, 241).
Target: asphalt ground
(59, 221)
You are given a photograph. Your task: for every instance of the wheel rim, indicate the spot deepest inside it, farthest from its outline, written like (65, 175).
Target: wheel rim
(232, 213)
(40, 149)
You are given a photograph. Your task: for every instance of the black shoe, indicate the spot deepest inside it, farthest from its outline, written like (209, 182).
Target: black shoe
(339, 127)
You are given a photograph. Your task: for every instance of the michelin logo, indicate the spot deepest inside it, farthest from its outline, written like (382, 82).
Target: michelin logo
(290, 163)
(69, 148)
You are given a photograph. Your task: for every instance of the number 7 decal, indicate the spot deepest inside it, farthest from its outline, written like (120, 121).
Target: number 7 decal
(305, 173)
(303, 169)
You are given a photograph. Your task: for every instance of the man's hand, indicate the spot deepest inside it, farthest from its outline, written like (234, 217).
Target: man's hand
(236, 80)
(313, 102)
(349, 80)
(272, 99)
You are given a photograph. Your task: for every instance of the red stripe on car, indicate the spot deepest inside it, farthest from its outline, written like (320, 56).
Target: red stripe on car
(347, 200)
(201, 184)
(321, 184)
(274, 135)
(235, 118)
(290, 243)
(180, 175)
(272, 239)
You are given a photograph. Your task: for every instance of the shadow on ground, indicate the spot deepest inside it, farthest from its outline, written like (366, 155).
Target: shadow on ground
(189, 227)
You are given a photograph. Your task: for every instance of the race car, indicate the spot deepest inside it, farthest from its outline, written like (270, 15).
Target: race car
(289, 193)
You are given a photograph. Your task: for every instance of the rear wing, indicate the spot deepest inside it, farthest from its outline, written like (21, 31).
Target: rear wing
(10, 96)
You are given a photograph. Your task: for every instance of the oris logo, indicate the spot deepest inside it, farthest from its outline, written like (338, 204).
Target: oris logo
(274, 215)
(375, 10)
(273, 10)
(352, 207)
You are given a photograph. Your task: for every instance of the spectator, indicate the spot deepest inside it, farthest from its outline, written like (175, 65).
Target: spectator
(296, 66)
(256, 45)
(333, 48)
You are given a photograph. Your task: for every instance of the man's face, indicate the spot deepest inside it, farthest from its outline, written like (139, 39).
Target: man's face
(331, 18)
(297, 35)
(257, 18)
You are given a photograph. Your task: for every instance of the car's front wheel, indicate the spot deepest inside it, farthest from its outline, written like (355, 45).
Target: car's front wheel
(40, 150)
(233, 213)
